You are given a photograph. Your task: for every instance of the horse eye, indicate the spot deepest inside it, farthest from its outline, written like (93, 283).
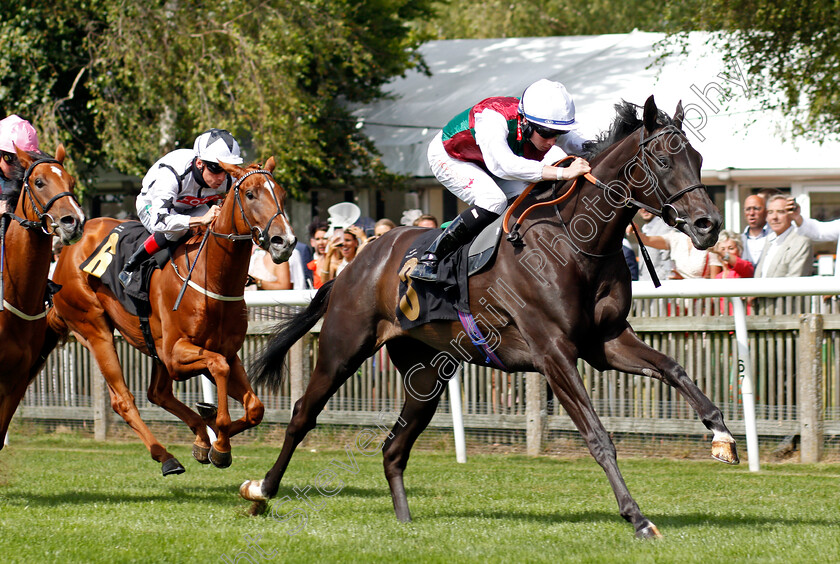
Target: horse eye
(39, 183)
(662, 161)
(249, 195)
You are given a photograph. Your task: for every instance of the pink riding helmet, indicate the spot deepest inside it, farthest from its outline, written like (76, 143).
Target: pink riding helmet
(16, 131)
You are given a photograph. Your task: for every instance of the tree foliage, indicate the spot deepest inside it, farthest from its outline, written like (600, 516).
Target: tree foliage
(482, 19)
(791, 52)
(124, 81)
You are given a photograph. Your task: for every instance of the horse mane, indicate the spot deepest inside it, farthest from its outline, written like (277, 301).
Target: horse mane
(18, 170)
(626, 122)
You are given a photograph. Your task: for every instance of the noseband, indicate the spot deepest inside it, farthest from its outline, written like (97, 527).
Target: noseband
(260, 237)
(45, 221)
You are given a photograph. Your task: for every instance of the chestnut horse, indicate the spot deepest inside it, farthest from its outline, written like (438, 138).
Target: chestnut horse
(46, 207)
(206, 332)
(565, 295)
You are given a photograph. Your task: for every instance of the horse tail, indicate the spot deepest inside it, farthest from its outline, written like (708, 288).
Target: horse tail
(267, 368)
(57, 332)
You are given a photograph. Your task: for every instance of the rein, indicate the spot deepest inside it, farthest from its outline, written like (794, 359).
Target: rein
(259, 237)
(667, 211)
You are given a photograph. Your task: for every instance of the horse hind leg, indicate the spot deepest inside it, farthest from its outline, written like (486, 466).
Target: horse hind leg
(424, 386)
(630, 354)
(160, 393)
(348, 347)
(122, 401)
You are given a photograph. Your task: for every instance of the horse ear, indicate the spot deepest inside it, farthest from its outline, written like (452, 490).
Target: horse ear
(679, 115)
(60, 153)
(650, 114)
(24, 157)
(269, 164)
(234, 170)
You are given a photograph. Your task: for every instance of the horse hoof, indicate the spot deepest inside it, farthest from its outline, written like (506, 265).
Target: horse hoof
(207, 411)
(252, 490)
(201, 454)
(220, 459)
(649, 531)
(172, 466)
(725, 452)
(258, 508)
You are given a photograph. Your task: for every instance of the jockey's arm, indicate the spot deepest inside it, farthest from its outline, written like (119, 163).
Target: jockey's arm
(491, 133)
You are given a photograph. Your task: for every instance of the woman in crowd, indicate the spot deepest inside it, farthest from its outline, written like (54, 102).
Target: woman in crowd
(729, 249)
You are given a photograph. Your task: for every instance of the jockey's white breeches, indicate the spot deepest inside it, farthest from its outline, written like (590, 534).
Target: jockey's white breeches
(469, 182)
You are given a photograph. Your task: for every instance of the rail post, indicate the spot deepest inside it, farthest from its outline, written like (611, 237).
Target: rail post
(298, 368)
(101, 404)
(809, 387)
(536, 412)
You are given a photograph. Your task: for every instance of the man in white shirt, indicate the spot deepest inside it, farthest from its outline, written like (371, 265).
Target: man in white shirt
(786, 253)
(757, 230)
(816, 230)
(661, 258)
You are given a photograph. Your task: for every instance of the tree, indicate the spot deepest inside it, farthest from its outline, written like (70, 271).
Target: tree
(790, 50)
(482, 19)
(44, 72)
(131, 80)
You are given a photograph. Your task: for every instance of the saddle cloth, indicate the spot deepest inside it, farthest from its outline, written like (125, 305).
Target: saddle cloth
(422, 302)
(110, 255)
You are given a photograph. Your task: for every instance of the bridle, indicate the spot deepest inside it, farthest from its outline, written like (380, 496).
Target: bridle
(666, 211)
(46, 222)
(260, 237)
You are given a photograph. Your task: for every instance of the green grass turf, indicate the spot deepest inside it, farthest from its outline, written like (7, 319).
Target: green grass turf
(70, 499)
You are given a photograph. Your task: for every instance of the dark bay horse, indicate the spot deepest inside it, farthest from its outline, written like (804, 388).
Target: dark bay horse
(206, 332)
(564, 295)
(46, 207)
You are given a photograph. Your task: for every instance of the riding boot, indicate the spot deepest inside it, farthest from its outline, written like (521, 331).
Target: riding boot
(461, 230)
(150, 246)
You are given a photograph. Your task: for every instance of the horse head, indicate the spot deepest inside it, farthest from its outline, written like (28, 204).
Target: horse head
(261, 209)
(673, 169)
(665, 177)
(48, 197)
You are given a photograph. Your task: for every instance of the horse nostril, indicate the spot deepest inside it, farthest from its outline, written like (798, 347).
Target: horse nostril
(704, 224)
(279, 241)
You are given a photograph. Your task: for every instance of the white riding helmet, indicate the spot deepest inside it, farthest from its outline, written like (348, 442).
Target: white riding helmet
(217, 146)
(17, 132)
(548, 104)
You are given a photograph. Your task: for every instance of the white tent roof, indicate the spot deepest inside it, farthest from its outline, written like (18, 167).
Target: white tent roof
(599, 71)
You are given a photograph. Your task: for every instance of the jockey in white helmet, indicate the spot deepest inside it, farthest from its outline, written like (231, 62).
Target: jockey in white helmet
(180, 191)
(490, 152)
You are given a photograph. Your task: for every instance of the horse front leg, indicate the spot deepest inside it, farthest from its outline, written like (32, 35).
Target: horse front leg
(13, 385)
(630, 354)
(557, 363)
(188, 359)
(240, 389)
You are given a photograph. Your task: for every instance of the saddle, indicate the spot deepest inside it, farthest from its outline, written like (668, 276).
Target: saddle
(421, 302)
(111, 254)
